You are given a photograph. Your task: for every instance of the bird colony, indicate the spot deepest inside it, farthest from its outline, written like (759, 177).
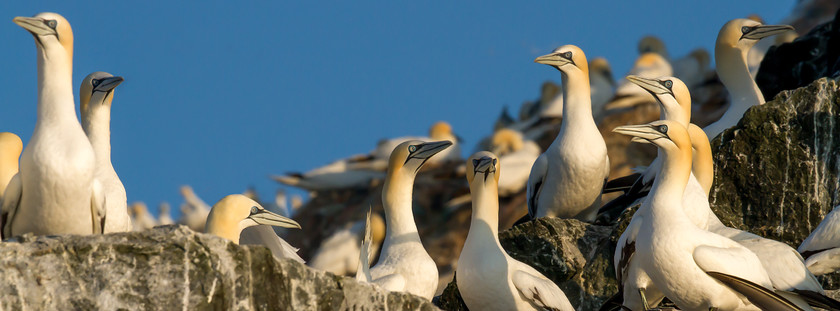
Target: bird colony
(674, 248)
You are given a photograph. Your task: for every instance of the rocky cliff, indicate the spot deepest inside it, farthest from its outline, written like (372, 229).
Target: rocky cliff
(171, 268)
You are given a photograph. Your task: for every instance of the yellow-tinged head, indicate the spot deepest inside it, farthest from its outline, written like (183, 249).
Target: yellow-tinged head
(10, 146)
(97, 89)
(670, 136)
(506, 141)
(742, 33)
(599, 66)
(409, 156)
(50, 30)
(568, 59)
(236, 212)
(440, 130)
(483, 166)
(671, 93)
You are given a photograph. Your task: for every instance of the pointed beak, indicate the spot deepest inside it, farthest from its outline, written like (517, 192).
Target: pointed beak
(484, 165)
(108, 84)
(34, 25)
(651, 85)
(764, 31)
(644, 133)
(427, 150)
(552, 60)
(264, 217)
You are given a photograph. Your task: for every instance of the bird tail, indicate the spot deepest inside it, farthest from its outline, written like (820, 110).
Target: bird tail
(819, 300)
(363, 270)
(760, 296)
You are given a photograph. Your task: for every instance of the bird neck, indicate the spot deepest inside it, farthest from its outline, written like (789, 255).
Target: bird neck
(577, 104)
(733, 71)
(669, 186)
(55, 87)
(702, 163)
(219, 228)
(396, 199)
(96, 122)
(485, 201)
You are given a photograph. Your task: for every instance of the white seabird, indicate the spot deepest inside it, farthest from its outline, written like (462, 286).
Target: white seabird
(341, 174)
(10, 148)
(733, 43)
(194, 211)
(566, 180)
(164, 217)
(339, 253)
(601, 84)
(404, 265)
(688, 264)
(439, 131)
(95, 97)
(488, 278)
(235, 213)
(517, 155)
(822, 247)
(56, 191)
(141, 218)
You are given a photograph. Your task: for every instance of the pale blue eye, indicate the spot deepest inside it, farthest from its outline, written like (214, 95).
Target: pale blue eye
(52, 23)
(663, 129)
(254, 209)
(412, 148)
(668, 84)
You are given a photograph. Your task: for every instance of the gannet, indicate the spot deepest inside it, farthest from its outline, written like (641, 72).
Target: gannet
(95, 97)
(10, 148)
(566, 180)
(518, 156)
(264, 235)
(341, 174)
(142, 219)
(693, 68)
(733, 43)
(648, 65)
(164, 218)
(235, 213)
(822, 247)
(56, 192)
(686, 262)
(404, 265)
(488, 278)
(339, 253)
(652, 44)
(194, 211)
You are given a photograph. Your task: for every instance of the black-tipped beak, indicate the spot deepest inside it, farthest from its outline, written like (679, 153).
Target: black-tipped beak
(34, 25)
(264, 217)
(764, 31)
(108, 84)
(427, 150)
(484, 165)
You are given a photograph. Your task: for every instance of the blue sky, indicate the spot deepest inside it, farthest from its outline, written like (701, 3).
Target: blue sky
(221, 94)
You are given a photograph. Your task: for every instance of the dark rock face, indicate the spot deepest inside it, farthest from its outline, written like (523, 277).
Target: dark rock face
(796, 64)
(575, 255)
(170, 268)
(776, 172)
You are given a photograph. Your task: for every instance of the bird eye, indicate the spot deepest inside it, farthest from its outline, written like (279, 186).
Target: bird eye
(254, 210)
(663, 129)
(412, 148)
(568, 55)
(52, 23)
(668, 84)
(95, 82)
(745, 29)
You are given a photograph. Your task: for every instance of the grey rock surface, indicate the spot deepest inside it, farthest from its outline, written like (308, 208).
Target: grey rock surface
(173, 268)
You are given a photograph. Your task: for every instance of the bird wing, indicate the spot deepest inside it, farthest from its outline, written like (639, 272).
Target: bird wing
(363, 270)
(11, 202)
(264, 235)
(539, 290)
(825, 236)
(820, 263)
(760, 296)
(535, 182)
(97, 207)
(622, 183)
(784, 265)
(626, 248)
(732, 260)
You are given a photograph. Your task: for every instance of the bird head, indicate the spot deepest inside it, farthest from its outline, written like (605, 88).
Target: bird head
(235, 212)
(409, 156)
(50, 30)
(672, 95)
(483, 166)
